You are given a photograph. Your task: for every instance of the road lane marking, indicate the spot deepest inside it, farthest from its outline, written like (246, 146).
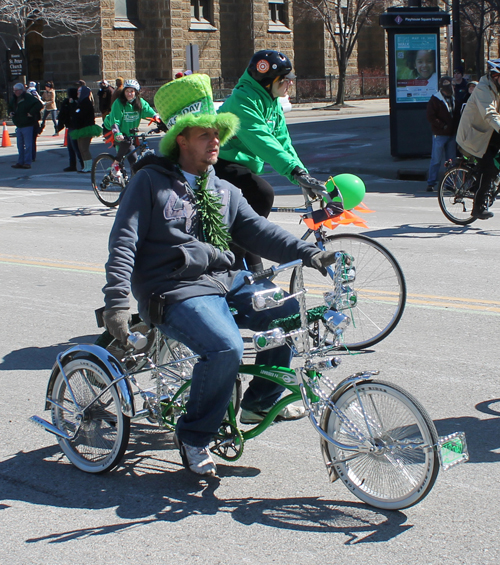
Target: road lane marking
(449, 303)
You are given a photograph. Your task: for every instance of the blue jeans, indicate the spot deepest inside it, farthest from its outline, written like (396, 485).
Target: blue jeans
(443, 149)
(206, 325)
(25, 145)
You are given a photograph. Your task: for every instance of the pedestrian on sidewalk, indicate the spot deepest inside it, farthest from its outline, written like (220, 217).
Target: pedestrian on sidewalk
(67, 119)
(105, 93)
(119, 87)
(443, 115)
(460, 85)
(86, 128)
(23, 109)
(49, 101)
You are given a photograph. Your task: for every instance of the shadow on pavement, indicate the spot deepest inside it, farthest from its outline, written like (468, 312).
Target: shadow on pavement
(40, 358)
(149, 489)
(427, 231)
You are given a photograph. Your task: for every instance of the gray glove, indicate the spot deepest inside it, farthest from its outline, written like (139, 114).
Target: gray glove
(322, 260)
(117, 321)
(311, 185)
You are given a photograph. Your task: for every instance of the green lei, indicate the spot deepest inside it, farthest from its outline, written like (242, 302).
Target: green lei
(208, 204)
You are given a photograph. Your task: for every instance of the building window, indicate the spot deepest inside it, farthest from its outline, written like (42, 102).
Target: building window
(126, 14)
(278, 16)
(201, 15)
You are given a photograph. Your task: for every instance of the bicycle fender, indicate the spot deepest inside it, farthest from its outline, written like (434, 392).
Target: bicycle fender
(107, 362)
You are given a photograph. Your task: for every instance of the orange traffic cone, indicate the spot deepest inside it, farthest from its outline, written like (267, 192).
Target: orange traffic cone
(65, 137)
(5, 137)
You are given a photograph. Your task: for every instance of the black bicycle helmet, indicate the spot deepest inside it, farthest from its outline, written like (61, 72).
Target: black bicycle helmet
(266, 65)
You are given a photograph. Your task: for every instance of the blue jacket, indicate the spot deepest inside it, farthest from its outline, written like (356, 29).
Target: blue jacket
(156, 247)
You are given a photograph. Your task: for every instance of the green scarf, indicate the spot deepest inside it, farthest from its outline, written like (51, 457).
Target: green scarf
(208, 204)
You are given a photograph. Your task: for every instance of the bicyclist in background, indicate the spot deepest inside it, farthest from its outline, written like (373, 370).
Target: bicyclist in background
(263, 136)
(479, 134)
(126, 114)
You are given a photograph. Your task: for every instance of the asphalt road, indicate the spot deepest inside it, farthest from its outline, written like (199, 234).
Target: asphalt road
(275, 504)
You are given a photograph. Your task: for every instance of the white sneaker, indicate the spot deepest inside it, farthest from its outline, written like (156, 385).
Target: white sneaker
(196, 459)
(290, 412)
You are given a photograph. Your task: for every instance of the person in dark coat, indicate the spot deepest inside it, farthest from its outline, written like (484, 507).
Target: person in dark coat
(460, 86)
(24, 109)
(105, 93)
(86, 128)
(67, 119)
(443, 115)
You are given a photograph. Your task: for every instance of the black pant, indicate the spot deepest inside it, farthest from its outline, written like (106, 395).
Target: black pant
(486, 172)
(123, 148)
(258, 192)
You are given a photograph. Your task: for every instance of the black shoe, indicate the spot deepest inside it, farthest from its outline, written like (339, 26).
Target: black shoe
(430, 188)
(17, 166)
(482, 214)
(70, 169)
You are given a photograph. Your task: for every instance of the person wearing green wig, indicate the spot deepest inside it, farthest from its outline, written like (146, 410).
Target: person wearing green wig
(169, 246)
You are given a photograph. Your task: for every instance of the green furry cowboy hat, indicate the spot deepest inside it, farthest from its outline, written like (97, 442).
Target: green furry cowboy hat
(187, 102)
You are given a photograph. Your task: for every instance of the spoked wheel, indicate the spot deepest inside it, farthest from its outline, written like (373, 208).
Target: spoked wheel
(107, 187)
(456, 195)
(104, 431)
(403, 465)
(379, 286)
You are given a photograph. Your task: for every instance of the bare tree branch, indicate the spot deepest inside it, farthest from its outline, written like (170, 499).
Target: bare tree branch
(343, 20)
(59, 17)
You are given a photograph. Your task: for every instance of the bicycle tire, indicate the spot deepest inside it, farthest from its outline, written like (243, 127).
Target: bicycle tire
(106, 187)
(400, 473)
(104, 431)
(380, 286)
(455, 195)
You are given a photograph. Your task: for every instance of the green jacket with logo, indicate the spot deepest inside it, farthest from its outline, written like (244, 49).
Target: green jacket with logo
(126, 117)
(263, 135)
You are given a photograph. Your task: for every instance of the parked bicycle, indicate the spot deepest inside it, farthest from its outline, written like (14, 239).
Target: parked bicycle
(109, 184)
(374, 436)
(375, 299)
(457, 190)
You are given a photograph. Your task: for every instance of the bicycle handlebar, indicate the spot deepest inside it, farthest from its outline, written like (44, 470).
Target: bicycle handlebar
(271, 272)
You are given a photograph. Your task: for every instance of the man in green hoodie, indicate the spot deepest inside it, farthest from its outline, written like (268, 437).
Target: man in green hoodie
(263, 136)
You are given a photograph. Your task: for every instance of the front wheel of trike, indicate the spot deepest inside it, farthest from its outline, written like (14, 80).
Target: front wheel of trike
(402, 465)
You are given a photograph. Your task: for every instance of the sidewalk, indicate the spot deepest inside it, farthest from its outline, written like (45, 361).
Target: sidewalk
(365, 121)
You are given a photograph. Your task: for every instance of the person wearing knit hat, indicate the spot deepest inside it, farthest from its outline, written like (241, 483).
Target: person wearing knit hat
(169, 246)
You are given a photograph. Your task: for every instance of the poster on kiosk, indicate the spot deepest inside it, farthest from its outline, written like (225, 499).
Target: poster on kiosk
(416, 67)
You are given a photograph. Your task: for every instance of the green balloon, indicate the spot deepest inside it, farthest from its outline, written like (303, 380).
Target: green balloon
(350, 186)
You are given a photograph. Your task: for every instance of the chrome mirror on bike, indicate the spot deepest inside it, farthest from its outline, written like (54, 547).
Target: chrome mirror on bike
(268, 299)
(270, 339)
(336, 322)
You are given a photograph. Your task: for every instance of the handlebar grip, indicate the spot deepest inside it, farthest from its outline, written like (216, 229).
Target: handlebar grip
(265, 274)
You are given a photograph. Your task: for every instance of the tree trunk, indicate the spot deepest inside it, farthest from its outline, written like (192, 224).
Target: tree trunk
(342, 82)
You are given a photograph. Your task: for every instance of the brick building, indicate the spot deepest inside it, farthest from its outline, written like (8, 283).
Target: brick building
(147, 40)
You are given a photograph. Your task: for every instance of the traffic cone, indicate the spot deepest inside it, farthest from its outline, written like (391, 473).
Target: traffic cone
(5, 137)
(65, 137)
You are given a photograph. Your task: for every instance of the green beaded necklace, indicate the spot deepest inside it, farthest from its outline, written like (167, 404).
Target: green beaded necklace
(208, 204)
